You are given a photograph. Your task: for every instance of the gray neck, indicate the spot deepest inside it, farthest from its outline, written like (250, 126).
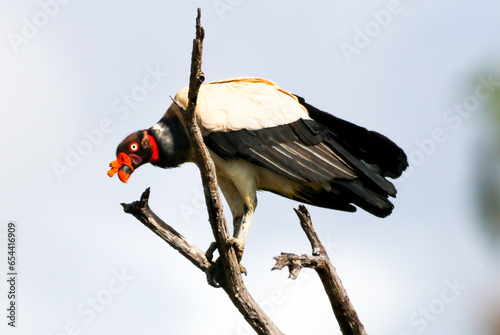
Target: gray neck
(172, 141)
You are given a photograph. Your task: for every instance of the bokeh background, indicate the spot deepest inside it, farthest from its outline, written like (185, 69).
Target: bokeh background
(78, 76)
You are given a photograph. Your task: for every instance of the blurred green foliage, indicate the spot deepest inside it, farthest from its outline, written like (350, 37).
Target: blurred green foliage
(488, 162)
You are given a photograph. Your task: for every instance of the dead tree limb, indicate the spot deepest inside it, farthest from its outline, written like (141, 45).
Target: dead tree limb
(227, 268)
(232, 283)
(140, 209)
(344, 311)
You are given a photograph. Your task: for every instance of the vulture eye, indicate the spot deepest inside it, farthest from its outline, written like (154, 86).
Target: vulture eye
(134, 147)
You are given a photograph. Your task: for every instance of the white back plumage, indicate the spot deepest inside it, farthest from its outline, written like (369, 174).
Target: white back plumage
(242, 103)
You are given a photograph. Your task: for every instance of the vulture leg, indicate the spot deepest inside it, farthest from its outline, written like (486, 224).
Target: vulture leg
(240, 196)
(241, 225)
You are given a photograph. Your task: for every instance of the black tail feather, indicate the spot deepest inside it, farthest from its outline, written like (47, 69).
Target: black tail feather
(343, 196)
(371, 201)
(370, 146)
(387, 155)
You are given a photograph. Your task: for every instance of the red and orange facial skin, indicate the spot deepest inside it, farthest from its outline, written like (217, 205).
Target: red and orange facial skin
(122, 165)
(136, 149)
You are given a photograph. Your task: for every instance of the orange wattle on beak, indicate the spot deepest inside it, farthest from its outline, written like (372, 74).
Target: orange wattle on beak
(122, 165)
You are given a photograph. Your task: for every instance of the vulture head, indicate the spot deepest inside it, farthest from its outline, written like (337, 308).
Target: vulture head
(135, 150)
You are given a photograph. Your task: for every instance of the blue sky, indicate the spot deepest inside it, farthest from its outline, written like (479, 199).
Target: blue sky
(77, 77)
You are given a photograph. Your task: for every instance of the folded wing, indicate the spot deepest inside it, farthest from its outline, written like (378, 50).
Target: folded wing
(335, 162)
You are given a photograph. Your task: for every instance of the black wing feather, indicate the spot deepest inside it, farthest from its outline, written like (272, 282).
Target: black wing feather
(290, 150)
(368, 145)
(310, 151)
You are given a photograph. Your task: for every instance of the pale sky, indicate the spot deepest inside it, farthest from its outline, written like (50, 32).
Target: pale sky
(77, 77)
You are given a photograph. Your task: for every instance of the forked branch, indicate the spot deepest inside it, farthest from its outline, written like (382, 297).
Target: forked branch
(344, 311)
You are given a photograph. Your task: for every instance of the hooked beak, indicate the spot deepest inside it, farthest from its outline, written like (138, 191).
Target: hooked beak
(122, 165)
(124, 173)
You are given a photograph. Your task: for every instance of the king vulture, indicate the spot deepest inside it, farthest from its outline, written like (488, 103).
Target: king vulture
(262, 137)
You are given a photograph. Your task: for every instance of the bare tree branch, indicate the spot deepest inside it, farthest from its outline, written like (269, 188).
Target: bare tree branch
(344, 311)
(232, 283)
(140, 209)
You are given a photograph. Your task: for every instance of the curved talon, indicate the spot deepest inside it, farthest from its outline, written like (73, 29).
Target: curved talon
(243, 270)
(215, 274)
(211, 276)
(239, 253)
(210, 251)
(237, 249)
